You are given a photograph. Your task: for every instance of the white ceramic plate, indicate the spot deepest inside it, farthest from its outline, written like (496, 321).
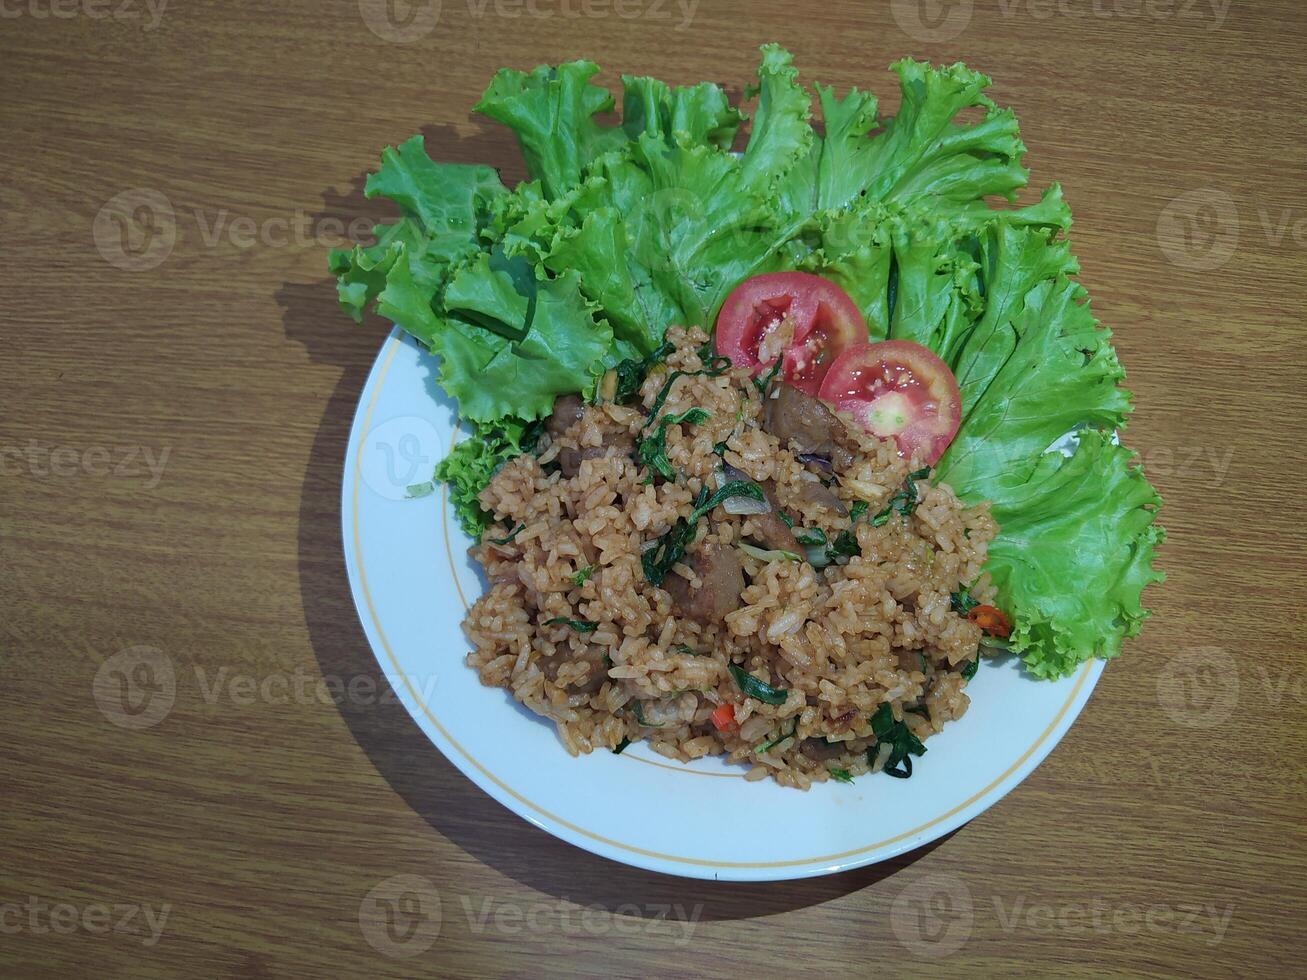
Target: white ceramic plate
(412, 580)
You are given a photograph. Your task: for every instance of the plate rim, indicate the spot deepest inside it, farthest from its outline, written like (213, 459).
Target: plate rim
(1086, 680)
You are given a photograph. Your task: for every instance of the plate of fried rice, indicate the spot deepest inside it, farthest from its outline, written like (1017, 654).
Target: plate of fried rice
(660, 804)
(695, 482)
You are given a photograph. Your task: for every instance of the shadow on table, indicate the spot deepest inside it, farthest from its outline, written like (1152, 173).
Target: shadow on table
(414, 768)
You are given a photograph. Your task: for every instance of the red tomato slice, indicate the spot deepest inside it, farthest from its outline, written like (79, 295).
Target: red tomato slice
(820, 318)
(898, 390)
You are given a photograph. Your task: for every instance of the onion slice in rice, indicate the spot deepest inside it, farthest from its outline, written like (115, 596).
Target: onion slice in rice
(883, 752)
(774, 555)
(818, 556)
(739, 506)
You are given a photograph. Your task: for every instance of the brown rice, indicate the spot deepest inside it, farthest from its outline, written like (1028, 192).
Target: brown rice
(841, 640)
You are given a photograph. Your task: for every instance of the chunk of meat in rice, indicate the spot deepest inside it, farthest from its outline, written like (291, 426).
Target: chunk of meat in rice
(719, 569)
(806, 424)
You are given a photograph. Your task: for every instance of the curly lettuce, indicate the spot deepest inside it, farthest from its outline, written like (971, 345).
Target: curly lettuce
(473, 461)
(1075, 554)
(623, 229)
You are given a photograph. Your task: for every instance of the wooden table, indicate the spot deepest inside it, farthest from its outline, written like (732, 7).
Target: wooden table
(173, 430)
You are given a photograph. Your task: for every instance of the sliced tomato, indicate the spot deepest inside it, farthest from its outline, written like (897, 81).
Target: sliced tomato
(898, 390)
(805, 319)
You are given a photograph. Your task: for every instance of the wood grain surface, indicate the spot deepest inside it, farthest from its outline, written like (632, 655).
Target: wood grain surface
(174, 422)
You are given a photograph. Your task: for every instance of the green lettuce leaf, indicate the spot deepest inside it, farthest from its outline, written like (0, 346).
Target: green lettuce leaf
(921, 155)
(1060, 373)
(552, 111)
(1075, 555)
(668, 232)
(442, 206)
(1034, 366)
(602, 253)
(561, 351)
(697, 114)
(446, 198)
(781, 134)
(990, 292)
(672, 222)
(1015, 261)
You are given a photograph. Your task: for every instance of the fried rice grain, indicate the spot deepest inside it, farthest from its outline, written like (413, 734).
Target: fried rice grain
(574, 630)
